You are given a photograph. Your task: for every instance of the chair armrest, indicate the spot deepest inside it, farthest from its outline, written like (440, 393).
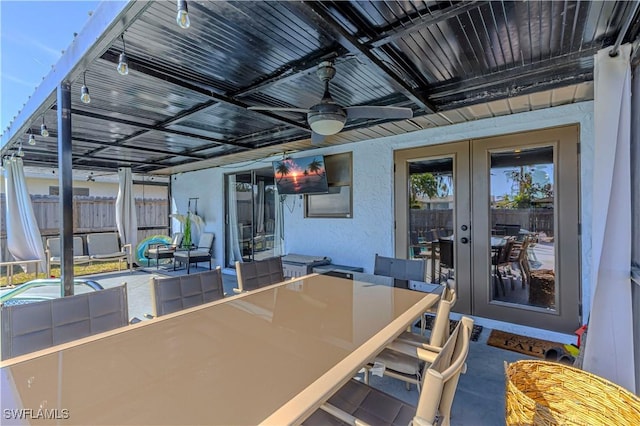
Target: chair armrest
(342, 415)
(427, 354)
(125, 246)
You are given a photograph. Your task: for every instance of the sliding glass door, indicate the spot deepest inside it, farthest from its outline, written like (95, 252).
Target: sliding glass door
(251, 216)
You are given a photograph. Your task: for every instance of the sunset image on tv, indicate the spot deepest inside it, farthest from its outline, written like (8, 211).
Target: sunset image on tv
(305, 175)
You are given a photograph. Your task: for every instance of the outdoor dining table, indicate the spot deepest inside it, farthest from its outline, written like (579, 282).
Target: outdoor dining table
(270, 356)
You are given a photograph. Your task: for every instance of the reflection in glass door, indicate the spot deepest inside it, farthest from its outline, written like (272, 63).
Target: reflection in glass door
(509, 205)
(522, 227)
(251, 216)
(433, 214)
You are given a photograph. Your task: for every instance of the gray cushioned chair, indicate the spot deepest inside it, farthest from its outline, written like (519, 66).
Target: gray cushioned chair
(164, 251)
(105, 247)
(33, 326)
(358, 403)
(173, 294)
(54, 256)
(259, 273)
(402, 269)
(203, 253)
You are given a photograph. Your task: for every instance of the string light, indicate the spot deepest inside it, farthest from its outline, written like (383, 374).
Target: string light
(84, 92)
(123, 62)
(43, 131)
(32, 140)
(183, 15)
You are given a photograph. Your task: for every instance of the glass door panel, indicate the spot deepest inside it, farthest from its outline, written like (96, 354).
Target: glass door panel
(525, 237)
(433, 214)
(252, 216)
(522, 206)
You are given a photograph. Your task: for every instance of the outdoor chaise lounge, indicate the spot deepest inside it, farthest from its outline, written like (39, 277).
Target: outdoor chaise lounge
(105, 247)
(53, 252)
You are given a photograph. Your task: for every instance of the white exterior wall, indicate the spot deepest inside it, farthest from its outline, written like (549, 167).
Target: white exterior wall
(355, 241)
(40, 186)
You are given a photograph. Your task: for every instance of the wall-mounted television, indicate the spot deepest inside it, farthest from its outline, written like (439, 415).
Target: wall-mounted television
(306, 175)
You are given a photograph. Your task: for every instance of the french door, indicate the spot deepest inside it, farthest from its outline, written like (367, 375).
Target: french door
(497, 218)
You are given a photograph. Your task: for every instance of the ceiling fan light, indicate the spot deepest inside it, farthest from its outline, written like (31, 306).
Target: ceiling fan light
(326, 123)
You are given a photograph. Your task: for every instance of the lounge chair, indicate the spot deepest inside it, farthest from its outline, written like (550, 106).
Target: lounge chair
(105, 247)
(203, 253)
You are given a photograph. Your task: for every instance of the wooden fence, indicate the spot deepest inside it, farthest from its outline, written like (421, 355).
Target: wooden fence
(91, 214)
(533, 220)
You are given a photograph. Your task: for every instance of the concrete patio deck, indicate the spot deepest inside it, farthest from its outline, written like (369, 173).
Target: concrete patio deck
(480, 396)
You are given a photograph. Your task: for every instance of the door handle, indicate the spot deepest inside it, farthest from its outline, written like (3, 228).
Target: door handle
(464, 240)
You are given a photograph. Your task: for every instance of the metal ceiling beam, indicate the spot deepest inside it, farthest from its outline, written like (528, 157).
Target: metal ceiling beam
(543, 74)
(154, 127)
(202, 86)
(323, 19)
(417, 21)
(293, 69)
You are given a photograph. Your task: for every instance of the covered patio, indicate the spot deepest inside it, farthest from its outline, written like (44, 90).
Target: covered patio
(216, 106)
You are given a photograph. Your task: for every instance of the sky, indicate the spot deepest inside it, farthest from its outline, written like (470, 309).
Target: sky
(33, 35)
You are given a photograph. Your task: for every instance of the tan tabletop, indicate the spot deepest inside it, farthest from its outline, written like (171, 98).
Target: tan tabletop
(270, 356)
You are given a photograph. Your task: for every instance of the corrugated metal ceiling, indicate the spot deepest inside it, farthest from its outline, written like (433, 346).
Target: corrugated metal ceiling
(184, 103)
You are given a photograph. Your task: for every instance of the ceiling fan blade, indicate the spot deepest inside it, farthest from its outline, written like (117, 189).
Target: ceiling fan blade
(259, 108)
(365, 111)
(316, 138)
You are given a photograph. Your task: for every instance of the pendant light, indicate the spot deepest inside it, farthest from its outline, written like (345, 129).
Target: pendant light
(84, 92)
(31, 141)
(43, 131)
(123, 62)
(183, 15)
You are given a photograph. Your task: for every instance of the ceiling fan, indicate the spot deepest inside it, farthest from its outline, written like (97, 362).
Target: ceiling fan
(328, 118)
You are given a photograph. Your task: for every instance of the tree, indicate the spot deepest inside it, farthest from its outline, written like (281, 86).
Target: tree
(422, 184)
(282, 170)
(527, 189)
(315, 166)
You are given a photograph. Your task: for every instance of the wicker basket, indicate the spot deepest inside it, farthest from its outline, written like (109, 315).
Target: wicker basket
(548, 393)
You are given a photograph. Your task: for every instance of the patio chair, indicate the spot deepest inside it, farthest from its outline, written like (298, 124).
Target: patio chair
(203, 253)
(53, 252)
(259, 273)
(173, 294)
(105, 247)
(401, 269)
(500, 259)
(164, 251)
(400, 358)
(33, 326)
(357, 403)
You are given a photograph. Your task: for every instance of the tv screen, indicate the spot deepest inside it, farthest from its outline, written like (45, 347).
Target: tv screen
(306, 175)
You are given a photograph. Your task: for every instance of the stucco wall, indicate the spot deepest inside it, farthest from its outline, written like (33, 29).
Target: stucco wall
(355, 241)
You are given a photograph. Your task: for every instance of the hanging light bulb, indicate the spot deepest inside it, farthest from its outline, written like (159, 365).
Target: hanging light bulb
(183, 15)
(20, 152)
(43, 131)
(32, 140)
(84, 92)
(123, 62)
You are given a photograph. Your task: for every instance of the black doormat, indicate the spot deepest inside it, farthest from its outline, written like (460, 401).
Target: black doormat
(429, 319)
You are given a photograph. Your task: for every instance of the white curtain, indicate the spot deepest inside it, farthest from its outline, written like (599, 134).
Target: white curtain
(126, 215)
(278, 238)
(260, 208)
(23, 235)
(233, 248)
(609, 350)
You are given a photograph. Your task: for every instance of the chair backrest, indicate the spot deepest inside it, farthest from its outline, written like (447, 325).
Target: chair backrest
(259, 273)
(173, 294)
(33, 326)
(402, 269)
(440, 328)
(54, 246)
(446, 252)
(103, 243)
(440, 379)
(177, 239)
(206, 241)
